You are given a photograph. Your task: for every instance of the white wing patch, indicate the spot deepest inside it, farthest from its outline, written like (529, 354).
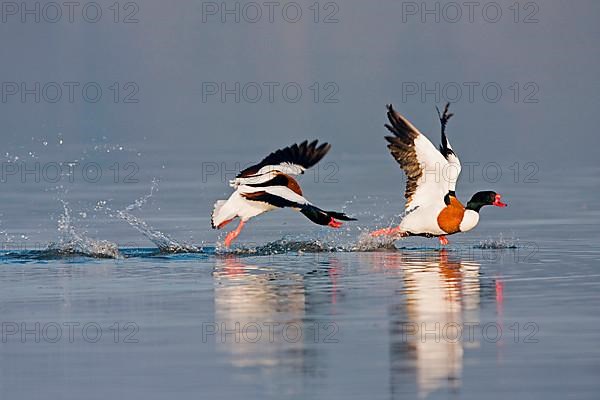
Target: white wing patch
(267, 173)
(286, 168)
(432, 186)
(452, 171)
(253, 179)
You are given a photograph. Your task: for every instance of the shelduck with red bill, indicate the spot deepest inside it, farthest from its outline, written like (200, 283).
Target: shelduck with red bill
(432, 209)
(269, 185)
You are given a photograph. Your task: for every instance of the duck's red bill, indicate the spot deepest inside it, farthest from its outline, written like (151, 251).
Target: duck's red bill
(498, 203)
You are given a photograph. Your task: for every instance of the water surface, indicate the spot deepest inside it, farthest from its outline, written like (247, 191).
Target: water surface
(508, 309)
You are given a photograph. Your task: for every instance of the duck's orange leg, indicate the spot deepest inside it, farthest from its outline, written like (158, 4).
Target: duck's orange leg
(233, 234)
(387, 231)
(443, 240)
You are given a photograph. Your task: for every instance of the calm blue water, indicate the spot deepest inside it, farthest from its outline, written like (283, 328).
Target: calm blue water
(294, 310)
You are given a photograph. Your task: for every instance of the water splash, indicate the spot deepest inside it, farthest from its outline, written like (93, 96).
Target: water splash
(74, 242)
(164, 242)
(284, 246)
(499, 243)
(366, 243)
(5, 238)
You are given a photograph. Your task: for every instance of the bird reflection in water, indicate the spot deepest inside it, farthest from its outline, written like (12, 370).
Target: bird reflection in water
(429, 328)
(275, 302)
(252, 307)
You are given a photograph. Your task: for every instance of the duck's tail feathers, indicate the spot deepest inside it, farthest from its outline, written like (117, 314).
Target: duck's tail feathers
(217, 217)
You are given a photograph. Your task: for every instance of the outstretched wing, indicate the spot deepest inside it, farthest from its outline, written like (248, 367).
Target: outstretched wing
(292, 160)
(454, 167)
(422, 163)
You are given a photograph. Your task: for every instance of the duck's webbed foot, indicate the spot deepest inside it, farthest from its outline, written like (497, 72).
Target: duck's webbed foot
(334, 224)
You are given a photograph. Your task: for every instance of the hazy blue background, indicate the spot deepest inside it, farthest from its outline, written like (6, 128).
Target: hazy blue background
(369, 53)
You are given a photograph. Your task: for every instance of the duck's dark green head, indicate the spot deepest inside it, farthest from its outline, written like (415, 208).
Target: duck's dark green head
(487, 198)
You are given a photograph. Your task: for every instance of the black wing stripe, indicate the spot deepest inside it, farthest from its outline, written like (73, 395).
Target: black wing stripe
(271, 199)
(305, 154)
(402, 147)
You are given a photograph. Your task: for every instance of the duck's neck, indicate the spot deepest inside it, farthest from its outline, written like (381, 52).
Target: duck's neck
(475, 205)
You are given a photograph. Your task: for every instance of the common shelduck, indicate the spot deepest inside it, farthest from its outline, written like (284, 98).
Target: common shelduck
(268, 185)
(432, 209)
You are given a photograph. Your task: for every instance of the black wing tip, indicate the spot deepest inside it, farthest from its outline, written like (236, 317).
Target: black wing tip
(323, 148)
(309, 154)
(394, 141)
(399, 125)
(392, 114)
(445, 116)
(304, 154)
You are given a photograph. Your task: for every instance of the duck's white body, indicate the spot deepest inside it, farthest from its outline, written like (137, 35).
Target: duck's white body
(423, 220)
(469, 221)
(238, 206)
